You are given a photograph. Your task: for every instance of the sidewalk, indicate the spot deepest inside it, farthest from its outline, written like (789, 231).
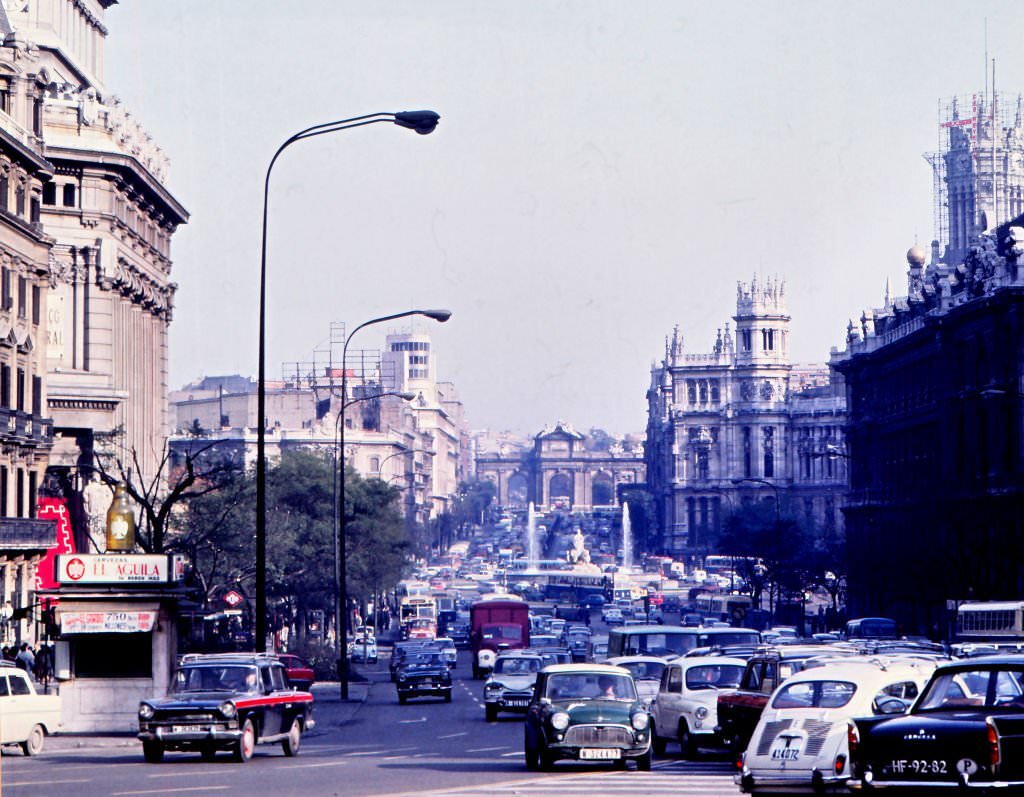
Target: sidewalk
(328, 710)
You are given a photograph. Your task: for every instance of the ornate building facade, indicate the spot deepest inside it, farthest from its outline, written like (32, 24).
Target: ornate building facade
(559, 470)
(743, 423)
(935, 382)
(111, 219)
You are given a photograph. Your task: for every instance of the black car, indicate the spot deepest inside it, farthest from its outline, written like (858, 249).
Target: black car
(424, 673)
(225, 702)
(964, 731)
(400, 651)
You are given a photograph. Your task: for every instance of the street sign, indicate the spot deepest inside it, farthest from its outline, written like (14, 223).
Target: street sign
(232, 598)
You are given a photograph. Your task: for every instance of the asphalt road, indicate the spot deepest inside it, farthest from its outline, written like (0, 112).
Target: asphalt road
(426, 747)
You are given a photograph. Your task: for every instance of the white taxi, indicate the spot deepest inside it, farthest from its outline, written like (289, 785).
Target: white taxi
(800, 743)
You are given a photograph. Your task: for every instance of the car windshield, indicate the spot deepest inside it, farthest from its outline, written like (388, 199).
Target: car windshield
(815, 694)
(590, 686)
(645, 670)
(215, 678)
(424, 659)
(714, 676)
(509, 632)
(516, 666)
(982, 687)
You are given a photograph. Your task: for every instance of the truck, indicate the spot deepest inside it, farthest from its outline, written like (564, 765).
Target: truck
(495, 625)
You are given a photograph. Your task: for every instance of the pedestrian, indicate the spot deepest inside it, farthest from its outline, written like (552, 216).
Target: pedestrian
(26, 658)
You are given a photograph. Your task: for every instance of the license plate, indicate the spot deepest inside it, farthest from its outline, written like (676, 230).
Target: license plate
(918, 766)
(186, 728)
(599, 753)
(516, 703)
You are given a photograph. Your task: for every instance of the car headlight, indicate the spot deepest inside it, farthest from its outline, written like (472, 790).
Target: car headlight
(560, 721)
(401, 677)
(494, 687)
(640, 721)
(227, 709)
(146, 711)
(701, 712)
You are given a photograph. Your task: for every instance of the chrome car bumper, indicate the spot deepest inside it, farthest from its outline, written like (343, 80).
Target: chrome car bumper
(171, 737)
(806, 780)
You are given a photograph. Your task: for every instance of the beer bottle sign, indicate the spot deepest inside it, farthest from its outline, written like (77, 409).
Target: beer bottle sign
(120, 522)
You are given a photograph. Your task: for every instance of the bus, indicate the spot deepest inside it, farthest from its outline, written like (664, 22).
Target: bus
(990, 621)
(674, 640)
(728, 608)
(416, 607)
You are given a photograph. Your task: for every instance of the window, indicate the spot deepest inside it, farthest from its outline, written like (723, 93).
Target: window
(5, 386)
(21, 390)
(5, 97)
(49, 194)
(675, 679)
(22, 297)
(746, 452)
(92, 655)
(33, 485)
(37, 396)
(69, 195)
(5, 190)
(374, 464)
(33, 211)
(745, 337)
(3, 491)
(19, 684)
(19, 200)
(36, 304)
(37, 116)
(19, 494)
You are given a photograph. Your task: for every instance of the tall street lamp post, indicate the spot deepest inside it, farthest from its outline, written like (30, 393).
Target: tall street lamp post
(423, 122)
(340, 547)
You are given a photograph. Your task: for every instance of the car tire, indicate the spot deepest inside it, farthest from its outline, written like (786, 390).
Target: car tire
(547, 761)
(531, 754)
(491, 712)
(643, 763)
(659, 743)
(33, 745)
(687, 744)
(153, 752)
(402, 699)
(290, 744)
(448, 696)
(246, 744)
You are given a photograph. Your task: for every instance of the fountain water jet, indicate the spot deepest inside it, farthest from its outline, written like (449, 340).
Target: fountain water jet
(532, 559)
(627, 539)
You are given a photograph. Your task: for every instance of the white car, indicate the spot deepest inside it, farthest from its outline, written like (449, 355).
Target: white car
(685, 709)
(611, 615)
(363, 649)
(646, 672)
(26, 717)
(509, 687)
(448, 650)
(800, 742)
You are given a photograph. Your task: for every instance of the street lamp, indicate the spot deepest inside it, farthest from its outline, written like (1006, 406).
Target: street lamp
(423, 122)
(340, 547)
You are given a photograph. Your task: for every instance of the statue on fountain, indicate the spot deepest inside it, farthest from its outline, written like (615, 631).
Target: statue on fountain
(578, 555)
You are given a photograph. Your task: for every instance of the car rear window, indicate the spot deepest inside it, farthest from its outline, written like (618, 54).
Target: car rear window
(815, 694)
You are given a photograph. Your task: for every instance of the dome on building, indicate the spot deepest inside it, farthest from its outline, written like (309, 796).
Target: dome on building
(915, 256)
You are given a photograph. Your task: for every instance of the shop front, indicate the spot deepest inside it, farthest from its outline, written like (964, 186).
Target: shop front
(116, 638)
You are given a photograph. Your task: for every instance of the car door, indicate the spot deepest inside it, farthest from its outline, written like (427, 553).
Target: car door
(670, 701)
(273, 707)
(7, 722)
(17, 707)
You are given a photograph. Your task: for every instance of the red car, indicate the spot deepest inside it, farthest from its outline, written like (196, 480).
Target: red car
(300, 675)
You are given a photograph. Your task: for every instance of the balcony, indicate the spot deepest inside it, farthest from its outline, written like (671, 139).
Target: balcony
(24, 534)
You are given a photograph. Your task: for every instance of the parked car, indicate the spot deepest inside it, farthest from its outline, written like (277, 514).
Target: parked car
(423, 672)
(26, 716)
(962, 733)
(684, 709)
(646, 672)
(800, 743)
(229, 701)
(299, 674)
(586, 712)
(509, 687)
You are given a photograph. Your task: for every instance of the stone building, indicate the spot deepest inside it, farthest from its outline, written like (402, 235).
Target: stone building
(743, 423)
(935, 379)
(560, 471)
(109, 219)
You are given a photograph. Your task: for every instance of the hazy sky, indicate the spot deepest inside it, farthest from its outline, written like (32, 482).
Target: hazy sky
(602, 172)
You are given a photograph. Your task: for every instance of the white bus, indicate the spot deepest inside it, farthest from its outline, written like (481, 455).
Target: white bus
(990, 620)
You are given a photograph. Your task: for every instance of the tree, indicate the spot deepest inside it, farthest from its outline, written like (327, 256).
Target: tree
(200, 471)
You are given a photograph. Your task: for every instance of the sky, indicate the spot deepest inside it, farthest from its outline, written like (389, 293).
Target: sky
(602, 172)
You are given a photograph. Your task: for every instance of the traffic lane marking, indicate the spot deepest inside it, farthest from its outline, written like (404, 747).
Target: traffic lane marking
(45, 782)
(182, 790)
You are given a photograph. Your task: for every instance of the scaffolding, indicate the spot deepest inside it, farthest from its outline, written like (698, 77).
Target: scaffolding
(970, 113)
(324, 371)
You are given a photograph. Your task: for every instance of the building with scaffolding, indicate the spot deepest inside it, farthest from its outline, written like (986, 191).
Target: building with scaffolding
(420, 446)
(978, 169)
